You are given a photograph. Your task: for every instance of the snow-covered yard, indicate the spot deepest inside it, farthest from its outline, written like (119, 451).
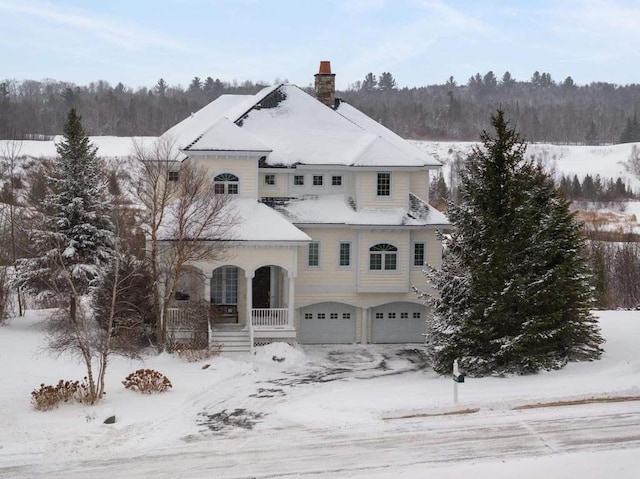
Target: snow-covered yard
(332, 411)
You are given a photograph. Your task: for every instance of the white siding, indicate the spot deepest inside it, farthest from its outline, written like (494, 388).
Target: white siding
(419, 184)
(367, 190)
(246, 169)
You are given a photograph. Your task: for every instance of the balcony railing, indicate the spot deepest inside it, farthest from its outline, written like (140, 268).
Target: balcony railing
(268, 318)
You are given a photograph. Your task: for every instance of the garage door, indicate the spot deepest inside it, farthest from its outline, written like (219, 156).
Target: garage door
(327, 323)
(398, 323)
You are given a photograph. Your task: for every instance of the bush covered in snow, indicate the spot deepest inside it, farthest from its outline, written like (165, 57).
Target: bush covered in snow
(147, 381)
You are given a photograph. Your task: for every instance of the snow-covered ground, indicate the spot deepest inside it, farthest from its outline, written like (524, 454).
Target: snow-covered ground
(353, 411)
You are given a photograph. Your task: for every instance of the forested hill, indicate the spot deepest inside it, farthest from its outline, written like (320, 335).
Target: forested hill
(542, 109)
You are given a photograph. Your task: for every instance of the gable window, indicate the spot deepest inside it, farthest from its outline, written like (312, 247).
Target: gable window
(384, 184)
(270, 180)
(336, 180)
(298, 180)
(383, 257)
(314, 254)
(173, 176)
(225, 183)
(345, 254)
(418, 254)
(317, 180)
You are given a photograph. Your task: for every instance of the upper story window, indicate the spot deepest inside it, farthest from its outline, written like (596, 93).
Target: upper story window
(384, 184)
(345, 254)
(318, 180)
(336, 180)
(298, 180)
(418, 254)
(173, 176)
(383, 257)
(314, 254)
(226, 183)
(270, 180)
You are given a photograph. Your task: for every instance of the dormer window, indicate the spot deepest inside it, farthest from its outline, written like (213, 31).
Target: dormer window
(226, 183)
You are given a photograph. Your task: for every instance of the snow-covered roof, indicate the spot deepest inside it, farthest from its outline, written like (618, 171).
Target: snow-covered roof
(295, 128)
(226, 136)
(372, 126)
(339, 209)
(195, 125)
(258, 222)
(245, 220)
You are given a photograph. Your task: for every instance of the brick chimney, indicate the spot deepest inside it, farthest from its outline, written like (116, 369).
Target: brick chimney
(326, 84)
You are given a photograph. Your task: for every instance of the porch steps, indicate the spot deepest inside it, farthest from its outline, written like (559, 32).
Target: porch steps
(231, 339)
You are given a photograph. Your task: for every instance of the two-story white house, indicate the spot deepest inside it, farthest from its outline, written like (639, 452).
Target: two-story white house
(334, 225)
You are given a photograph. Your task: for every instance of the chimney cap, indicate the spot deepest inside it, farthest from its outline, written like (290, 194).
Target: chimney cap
(325, 68)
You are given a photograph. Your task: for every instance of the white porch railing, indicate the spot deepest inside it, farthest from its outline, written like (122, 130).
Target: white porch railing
(261, 318)
(267, 318)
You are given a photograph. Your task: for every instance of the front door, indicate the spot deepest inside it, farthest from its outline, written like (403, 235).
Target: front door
(262, 288)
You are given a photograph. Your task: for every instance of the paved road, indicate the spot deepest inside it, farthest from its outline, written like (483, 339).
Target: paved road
(358, 452)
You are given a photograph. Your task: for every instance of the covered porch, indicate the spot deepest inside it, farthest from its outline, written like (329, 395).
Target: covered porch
(258, 302)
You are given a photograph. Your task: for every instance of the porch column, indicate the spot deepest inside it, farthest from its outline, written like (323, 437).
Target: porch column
(291, 300)
(207, 287)
(249, 288)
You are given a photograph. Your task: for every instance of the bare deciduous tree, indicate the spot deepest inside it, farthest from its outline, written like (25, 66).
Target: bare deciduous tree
(186, 220)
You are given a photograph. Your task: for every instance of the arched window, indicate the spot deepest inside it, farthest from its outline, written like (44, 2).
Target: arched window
(226, 183)
(383, 257)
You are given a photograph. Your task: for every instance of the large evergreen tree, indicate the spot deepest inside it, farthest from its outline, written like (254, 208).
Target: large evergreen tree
(514, 294)
(75, 238)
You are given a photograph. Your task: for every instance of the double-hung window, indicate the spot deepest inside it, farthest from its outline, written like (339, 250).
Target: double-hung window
(314, 254)
(383, 257)
(225, 183)
(345, 254)
(384, 184)
(298, 180)
(418, 254)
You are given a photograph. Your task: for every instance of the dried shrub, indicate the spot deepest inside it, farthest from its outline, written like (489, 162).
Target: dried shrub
(147, 381)
(49, 397)
(193, 352)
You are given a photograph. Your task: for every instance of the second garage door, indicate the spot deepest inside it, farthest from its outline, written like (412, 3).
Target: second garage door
(398, 323)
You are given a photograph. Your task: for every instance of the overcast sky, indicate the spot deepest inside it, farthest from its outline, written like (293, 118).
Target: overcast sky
(420, 42)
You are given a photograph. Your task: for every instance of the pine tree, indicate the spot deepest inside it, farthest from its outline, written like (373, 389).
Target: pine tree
(631, 132)
(514, 294)
(76, 236)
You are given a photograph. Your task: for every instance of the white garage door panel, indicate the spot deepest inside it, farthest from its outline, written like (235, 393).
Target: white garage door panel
(327, 331)
(397, 331)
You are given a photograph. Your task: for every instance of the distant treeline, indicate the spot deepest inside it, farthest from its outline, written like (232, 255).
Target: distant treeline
(596, 189)
(543, 109)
